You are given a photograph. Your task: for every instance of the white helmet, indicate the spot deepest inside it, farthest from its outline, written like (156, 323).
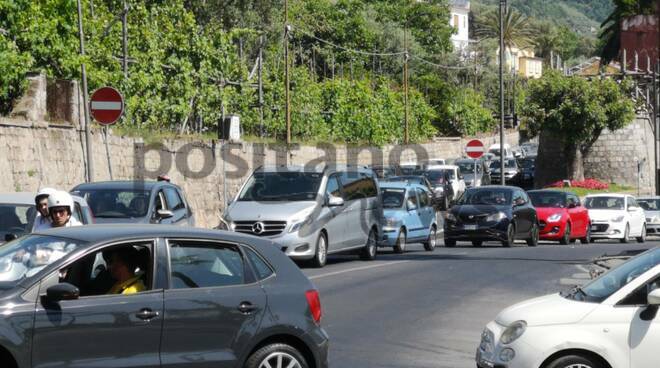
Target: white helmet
(44, 193)
(60, 199)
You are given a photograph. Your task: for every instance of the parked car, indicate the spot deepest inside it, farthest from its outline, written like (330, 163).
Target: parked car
(498, 213)
(221, 298)
(467, 166)
(610, 322)
(616, 216)
(527, 168)
(561, 216)
(18, 212)
(408, 216)
(511, 171)
(651, 207)
(455, 178)
(443, 192)
(310, 212)
(137, 202)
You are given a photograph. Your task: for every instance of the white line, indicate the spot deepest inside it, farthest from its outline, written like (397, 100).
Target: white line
(356, 269)
(582, 268)
(106, 105)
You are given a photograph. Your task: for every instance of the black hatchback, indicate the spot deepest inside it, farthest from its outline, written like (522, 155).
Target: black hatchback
(499, 213)
(155, 296)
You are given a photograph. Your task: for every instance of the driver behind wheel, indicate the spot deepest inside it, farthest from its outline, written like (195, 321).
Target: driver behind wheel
(122, 265)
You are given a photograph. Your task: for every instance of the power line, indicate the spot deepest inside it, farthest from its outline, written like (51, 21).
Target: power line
(470, 66)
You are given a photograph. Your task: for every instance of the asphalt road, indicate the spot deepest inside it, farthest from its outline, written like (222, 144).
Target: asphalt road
(427, 309)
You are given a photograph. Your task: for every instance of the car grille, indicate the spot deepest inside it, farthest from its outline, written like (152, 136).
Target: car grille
(270, 228)
(599, 228)
(472, 219)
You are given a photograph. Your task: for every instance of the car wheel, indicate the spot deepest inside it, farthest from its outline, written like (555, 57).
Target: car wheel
(510, 236)
(533, 241)
(368, 253)
(642, 237)
(587, 237)
(429, 244)
(450, 243)
(477, 243)
(626, 235)
(276, 356)
(574, 361)
(567, 235)
(321, 254)
(400, 245)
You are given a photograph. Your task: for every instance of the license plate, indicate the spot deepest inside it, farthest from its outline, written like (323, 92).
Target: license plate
(470, 227)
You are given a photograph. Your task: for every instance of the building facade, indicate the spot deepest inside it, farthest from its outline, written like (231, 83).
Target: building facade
(460, 20)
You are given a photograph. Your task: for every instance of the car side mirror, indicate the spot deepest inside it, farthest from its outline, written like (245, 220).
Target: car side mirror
(654, 297)
(11, 236)
(62, 291)
(335, 201)
(164, 214)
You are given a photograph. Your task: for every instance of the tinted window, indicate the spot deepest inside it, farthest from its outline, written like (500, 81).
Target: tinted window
(173, 199)
(436, 176)
(110, 203)
(14, 219)
(358, 186)
(201, 264)
(466, 167)
(260, 266)
(392, 197)
(490, 196)
(333, 187)
(281, 186)
(423, 198)
(548, 199)
(604, 203)
(649, 204)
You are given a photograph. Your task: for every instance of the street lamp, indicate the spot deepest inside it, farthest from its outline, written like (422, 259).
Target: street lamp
(502, 11)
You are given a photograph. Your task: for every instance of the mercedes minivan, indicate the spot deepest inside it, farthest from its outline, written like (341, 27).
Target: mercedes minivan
(310, 212)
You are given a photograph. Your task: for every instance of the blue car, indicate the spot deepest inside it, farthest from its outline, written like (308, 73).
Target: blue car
(408, 216)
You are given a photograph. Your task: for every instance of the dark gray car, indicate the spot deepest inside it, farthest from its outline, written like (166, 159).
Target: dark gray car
(137, 202)
(206, 299)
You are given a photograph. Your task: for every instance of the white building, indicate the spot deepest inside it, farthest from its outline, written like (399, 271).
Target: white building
(459, 19)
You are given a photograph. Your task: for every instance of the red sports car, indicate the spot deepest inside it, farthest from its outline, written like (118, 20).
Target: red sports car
(561, 216)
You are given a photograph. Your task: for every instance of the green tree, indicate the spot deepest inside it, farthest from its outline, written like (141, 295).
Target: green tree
(466, 114)
(517, 29)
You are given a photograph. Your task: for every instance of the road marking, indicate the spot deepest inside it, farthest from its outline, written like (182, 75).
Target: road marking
(582, 268)
(356, 269)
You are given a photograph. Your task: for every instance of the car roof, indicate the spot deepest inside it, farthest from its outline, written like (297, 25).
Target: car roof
(111, 232)
(508, 187)
(445, 167)
(27, 198)
(400, 185)
(547, 191)
(648, 197)
(123, 184)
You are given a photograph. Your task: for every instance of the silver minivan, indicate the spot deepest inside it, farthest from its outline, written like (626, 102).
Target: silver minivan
(310, 212)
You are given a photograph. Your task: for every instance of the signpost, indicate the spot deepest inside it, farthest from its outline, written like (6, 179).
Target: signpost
(106, 106)
(474, 149)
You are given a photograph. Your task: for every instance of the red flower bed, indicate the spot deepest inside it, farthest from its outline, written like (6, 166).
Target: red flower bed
(587, 184)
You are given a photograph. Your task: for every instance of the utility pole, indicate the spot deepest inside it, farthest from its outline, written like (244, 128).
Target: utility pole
(261, 86)
(124, 35)
(286, 73)
(88, 133)
(502, 10)
(406, 136)
(656, 124)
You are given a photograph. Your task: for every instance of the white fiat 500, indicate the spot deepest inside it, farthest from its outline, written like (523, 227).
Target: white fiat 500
(612, 322)
(616, 216)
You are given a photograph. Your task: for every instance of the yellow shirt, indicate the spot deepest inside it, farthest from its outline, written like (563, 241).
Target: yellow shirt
(130, 286)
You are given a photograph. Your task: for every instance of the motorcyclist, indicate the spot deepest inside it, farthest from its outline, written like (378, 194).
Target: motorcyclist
(60, 208)
(42, 219)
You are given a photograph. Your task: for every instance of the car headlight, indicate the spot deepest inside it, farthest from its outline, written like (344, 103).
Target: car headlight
(554, 218)
(496, 217)
(450, 217)
(297, 224)
(513, 332)
(391, 222)
(487, 341)
(618, 218)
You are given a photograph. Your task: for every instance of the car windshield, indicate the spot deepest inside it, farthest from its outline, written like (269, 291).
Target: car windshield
(393, 197)
(609, 283)
(410, 179)
(650, 204)
(410, 170)
(24, 257)
(548, 199)
(436, 176)
(15, 219)
(116, 203)
(604, 203)
(508, 164)
(487, 196)
(281, 186)
(466, 167)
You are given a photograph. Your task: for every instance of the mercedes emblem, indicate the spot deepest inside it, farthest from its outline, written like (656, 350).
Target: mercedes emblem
(258, 227)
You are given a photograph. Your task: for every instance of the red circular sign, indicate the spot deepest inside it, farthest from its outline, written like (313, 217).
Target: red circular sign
(106, 105)
(474, 148)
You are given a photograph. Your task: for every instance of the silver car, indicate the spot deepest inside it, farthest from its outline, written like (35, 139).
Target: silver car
(651, 206)
(310, 213)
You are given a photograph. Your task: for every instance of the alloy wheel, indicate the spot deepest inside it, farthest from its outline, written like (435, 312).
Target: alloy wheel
(578, 366)
(322, 250)
(280, 360)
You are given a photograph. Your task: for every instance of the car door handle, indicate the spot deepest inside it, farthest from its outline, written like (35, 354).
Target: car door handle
(246, 308)
(146, 314)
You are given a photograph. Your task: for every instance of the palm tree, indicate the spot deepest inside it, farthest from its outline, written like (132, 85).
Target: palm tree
(517, 29)
(545, 41)
(610, 35)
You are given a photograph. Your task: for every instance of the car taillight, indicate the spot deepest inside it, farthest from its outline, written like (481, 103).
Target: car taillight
(314, 301)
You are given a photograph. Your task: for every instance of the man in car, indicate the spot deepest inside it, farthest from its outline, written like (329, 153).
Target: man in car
(123, 263)
(42, 220)
(60, 208)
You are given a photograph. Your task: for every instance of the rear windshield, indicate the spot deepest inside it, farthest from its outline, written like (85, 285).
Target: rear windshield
(604, 203)
(548, 199)
(281, 186)
(116, 203)
(14, 219)
(393, 198)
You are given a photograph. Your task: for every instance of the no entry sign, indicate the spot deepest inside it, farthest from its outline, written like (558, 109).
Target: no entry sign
(474, 148)
(106, 105)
